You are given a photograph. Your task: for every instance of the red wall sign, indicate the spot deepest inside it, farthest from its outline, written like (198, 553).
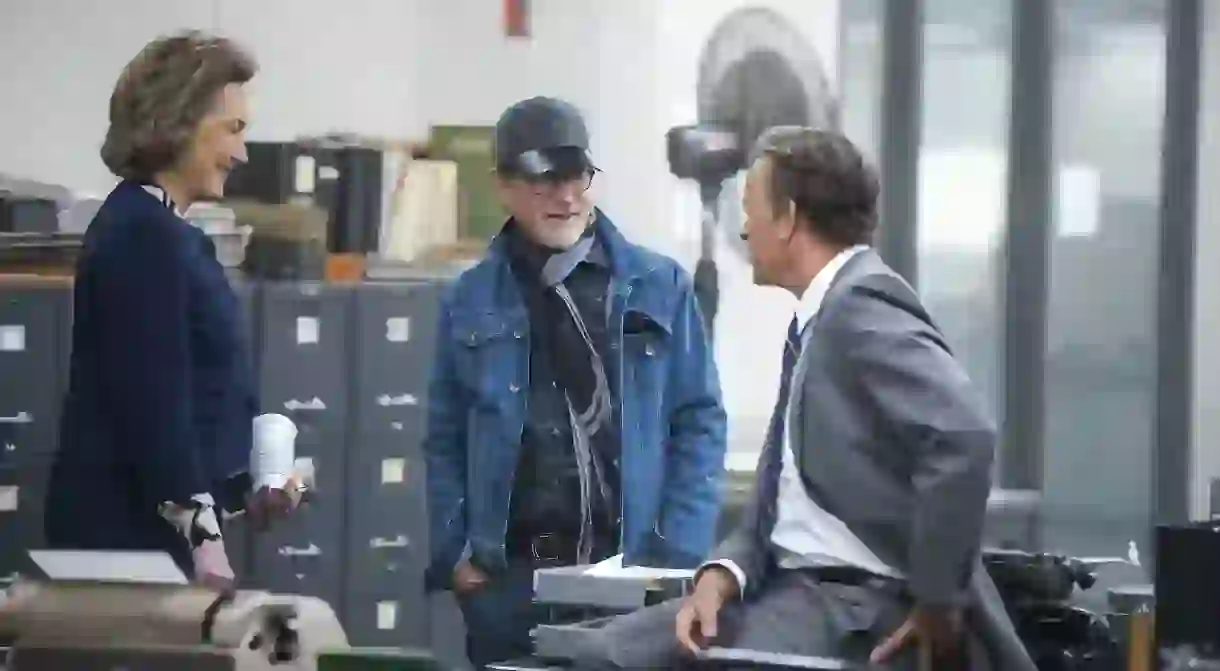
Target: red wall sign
(517, 18)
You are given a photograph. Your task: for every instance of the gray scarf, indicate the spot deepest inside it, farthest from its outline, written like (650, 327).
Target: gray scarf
(585, 422)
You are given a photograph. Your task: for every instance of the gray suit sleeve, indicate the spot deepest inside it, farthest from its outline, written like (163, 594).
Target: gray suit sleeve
(924, 399)
(739, 552)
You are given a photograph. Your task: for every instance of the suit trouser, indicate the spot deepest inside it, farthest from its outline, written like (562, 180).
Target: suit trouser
(793, 614)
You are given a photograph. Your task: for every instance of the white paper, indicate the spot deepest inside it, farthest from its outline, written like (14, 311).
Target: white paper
(613, 568)
(8, 498)
(12, 338)
(398, 329)
(109, 566)
(303, 179)
(393, 471)
(307, 330)
(387, 615)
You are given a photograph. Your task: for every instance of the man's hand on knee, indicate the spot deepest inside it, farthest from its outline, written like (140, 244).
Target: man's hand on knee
(937, 632)
(697, 620)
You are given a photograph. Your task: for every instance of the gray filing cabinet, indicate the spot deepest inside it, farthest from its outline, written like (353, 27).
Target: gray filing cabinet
(386, 523)
(302, 364)
(35, 340)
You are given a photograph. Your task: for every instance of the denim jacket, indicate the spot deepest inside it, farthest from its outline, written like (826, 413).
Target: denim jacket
(673, 420)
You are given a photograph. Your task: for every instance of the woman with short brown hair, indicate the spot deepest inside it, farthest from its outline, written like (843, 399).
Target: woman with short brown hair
(156, 431)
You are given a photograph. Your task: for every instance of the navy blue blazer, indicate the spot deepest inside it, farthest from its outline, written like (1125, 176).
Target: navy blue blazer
(161, 393)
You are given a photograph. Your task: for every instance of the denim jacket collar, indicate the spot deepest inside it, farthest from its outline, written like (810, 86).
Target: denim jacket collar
(627, 262)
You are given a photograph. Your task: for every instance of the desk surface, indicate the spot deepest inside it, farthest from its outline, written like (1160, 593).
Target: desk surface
(520, 665)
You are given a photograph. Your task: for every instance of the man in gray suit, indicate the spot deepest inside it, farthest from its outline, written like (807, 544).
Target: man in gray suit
(862, 541)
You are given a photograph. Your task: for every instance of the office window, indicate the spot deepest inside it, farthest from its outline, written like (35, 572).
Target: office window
(1101, 322)
(861, 73)
(962, 179)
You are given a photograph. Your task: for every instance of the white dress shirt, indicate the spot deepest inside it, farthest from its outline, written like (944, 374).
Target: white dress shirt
(805, 535)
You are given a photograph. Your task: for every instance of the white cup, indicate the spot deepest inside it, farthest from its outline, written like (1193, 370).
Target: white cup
(274, 452)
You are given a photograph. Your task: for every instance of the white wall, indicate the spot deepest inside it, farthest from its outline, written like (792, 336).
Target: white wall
(391, 68)
(321, 70)
(1205, 439)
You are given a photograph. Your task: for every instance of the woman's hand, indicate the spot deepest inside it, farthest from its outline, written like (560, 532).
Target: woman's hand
(212, 567)
(268, 505)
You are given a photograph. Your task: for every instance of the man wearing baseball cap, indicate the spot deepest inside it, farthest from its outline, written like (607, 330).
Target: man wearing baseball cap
(574, 411)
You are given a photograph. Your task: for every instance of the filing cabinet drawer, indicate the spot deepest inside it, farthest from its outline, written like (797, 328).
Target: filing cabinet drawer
(393, 615)
(22, 496)
(24, 438)
(304, 554)
(302, 355)
(306, 561)
(35, 331)
(395, 345)
(387, 523)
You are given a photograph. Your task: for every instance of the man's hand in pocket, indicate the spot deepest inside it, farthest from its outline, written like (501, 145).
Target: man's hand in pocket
(468, 579)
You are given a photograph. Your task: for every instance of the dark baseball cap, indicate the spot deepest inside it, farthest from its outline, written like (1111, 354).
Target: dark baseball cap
(542, 136)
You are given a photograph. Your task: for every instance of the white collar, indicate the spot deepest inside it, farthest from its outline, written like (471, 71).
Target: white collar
(815, 293)
(163, 196)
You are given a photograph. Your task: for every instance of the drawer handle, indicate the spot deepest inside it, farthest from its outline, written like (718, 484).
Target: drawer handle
(313, 404)
(385, 400)
(22, 417)
(311, 551)
(399, 541)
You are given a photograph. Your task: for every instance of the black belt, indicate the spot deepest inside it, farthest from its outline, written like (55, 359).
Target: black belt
(547, 548)
(554, 548)
(851, 576)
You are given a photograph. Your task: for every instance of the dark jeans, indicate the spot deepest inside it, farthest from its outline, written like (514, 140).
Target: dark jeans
(500, 616)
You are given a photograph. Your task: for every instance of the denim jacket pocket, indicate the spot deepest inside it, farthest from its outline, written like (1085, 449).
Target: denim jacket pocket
(646, 348)
(486, 350)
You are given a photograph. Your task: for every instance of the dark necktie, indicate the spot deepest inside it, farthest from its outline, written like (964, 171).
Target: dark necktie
(772, 456)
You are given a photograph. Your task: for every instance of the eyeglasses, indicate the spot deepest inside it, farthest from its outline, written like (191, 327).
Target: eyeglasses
(550, 185)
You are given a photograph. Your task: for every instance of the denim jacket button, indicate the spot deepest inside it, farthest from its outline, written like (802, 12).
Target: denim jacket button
(517, 334)
(514, 388)
(649, 351)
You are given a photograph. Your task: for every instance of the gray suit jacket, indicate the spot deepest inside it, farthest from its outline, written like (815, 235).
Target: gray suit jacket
(892, 439)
